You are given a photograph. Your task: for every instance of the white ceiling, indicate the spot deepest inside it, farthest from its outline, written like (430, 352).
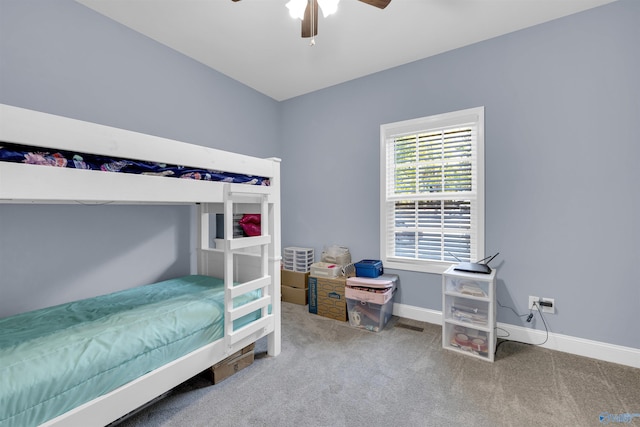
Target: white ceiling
(257, 43)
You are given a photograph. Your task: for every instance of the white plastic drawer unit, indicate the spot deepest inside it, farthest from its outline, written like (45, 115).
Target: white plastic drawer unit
(469, 313)
(297, 259)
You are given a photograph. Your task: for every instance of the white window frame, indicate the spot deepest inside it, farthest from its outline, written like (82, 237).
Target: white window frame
(473, 117)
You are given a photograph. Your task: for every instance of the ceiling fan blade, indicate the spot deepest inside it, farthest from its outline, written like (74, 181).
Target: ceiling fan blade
(310, 21)
(381, 4)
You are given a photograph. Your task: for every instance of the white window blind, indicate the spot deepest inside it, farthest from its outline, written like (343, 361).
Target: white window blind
(432, 195)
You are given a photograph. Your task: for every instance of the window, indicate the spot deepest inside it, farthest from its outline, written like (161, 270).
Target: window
(432, 191)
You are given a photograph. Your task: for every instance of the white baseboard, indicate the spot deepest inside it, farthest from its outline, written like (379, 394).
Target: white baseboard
(417, 313)
(582, 347)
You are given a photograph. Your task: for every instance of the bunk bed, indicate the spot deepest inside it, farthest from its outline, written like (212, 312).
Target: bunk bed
(232, 300)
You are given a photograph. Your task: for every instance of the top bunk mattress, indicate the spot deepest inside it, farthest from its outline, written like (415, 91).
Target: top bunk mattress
(90, 155)
(19, 153)
(55, 359)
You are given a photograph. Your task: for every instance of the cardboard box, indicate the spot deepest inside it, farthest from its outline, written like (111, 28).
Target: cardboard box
(326, 297)
(294, 295)
(232, 364)
(294, 279)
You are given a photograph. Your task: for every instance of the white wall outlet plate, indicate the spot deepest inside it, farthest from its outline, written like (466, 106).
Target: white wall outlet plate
(550, 310)
(542, 308)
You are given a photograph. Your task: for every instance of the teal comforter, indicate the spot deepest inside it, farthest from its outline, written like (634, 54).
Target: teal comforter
(57, 358)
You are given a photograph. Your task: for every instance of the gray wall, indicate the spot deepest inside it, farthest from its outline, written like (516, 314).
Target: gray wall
(561, 100)
(63, 58)
(562, 103)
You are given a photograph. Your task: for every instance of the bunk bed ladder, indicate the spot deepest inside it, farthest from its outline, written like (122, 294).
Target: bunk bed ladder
(258, 309)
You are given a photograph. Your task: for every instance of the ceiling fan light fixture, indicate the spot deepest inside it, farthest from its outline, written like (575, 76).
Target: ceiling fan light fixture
(328, 7)
(297, 8)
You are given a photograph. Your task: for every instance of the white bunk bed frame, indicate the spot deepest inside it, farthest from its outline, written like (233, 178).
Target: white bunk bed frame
(22, 183)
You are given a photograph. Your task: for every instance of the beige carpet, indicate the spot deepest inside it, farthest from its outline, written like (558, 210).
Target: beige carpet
(330, 374)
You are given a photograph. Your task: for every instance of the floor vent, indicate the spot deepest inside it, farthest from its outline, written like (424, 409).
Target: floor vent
(411, 327)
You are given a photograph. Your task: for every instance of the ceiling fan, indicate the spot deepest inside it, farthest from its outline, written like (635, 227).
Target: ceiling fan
(307, 11)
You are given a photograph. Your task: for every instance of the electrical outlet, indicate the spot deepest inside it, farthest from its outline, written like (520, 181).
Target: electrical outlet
(543, 308)
(547, 309)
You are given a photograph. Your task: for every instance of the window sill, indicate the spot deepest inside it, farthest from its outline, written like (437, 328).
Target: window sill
(434, 267)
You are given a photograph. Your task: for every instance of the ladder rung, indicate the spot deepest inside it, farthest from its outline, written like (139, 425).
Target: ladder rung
(265, 323)
(247, 242)
(250, 307)
(252, 285)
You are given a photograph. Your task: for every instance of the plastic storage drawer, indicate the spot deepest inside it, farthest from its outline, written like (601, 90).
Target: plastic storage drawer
(297, 259)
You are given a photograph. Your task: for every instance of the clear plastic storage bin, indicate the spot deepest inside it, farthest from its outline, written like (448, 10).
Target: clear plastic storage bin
(369, 316)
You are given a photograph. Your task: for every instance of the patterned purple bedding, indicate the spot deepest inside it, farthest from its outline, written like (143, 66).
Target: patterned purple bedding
(17, 153)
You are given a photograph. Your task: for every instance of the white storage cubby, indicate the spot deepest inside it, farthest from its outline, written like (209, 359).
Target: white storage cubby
(469, 313)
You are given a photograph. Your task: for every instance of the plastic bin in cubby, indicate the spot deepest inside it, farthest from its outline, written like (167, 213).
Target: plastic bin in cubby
(467, 286)
(468, 339)
(464, 310)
